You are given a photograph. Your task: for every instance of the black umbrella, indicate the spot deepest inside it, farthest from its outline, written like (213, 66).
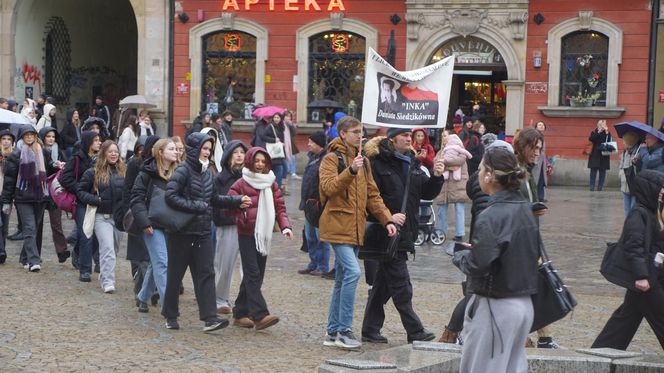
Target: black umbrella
(325, 103)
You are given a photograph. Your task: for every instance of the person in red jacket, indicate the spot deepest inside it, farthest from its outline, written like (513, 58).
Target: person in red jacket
(254, 227)
(423, 148)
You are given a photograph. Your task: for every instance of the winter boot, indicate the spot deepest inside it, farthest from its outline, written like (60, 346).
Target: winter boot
(448, 336)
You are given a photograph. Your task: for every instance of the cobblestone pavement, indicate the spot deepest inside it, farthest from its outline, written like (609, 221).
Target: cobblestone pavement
(53, 322)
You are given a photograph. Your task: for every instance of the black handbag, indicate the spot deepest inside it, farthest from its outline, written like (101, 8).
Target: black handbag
(553, 300)
(163, 215)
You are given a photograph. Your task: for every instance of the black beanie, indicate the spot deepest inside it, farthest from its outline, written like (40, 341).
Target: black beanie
(392, 132)
(319, 138)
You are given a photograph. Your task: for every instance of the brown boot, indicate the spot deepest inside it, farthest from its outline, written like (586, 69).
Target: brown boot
(266, 322)
(243, 322)
(529, 343)
(448, 336)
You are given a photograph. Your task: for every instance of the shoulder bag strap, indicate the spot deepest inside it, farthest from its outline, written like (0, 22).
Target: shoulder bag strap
(276, 138)
(405, 197)
(76, 177)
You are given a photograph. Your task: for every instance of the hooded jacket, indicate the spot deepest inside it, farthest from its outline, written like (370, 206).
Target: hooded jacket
(246, 219)
(223, 182)
(191, 189)
(48, 156)
(70, 178)
(426, 160)
(637, 257)
(103, 127)
(332, 133)
(46, 120)
(10, 193)
(70, 133)
(141, 193)
(348, 196)
(217, 149)
(135, 163)
(388, 169)
(505, 249)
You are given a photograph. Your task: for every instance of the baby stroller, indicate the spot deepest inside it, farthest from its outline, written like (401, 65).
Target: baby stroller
(426, 229)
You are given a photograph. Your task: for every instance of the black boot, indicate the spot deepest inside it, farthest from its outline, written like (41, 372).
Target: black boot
(16, 236)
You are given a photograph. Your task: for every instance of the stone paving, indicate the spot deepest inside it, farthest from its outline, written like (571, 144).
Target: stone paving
(53, 322)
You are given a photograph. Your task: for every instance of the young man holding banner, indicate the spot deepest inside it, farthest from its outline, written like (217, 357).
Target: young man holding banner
(347, 195)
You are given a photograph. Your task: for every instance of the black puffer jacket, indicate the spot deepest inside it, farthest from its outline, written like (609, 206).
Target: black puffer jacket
(638, 258)
(106, 197)
(70, 177)
(69, 131)
(505, 250)
(192, 190)
(389, 174)
(135, 164)
(480, 200)
(141, 193)
(10, 193)
(223, 182)
(264, 134)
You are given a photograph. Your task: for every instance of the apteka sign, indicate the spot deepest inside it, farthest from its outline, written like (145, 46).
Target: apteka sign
(406, 99)
(288, 5)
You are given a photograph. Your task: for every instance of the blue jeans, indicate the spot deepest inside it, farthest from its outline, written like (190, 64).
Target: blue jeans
(292, 165)
(593, 176)
(84, 244)
(319, 252)
(279, 170)
(342, 304)
(155, 276)
(459, 219)
(628, 202)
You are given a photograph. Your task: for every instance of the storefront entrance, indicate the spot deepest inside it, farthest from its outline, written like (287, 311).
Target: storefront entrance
(479, 72)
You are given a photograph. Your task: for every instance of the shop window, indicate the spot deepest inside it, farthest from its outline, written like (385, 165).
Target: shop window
(57, 61)
(229, 72)
(336, 72)
(583, 69)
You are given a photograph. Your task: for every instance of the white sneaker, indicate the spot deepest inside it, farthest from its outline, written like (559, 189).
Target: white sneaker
(347, 340)
(26, 266)
(35, 268)
(330, 340)
(110, 289)
(295, 177)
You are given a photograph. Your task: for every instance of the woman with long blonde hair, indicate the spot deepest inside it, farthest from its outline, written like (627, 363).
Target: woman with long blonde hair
(102, 186)
(155, 174)
(179, 147)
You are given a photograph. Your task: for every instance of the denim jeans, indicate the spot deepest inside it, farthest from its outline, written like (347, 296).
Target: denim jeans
(84, 244)
(342, 304)
(628, 202)
(319, 252)
(459, 219)
(5, 231)
(292, 165)
(279, 170)
(155, 276)
(593, 175)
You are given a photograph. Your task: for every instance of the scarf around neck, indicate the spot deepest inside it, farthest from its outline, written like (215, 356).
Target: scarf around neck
(265, 215)
(31, 171)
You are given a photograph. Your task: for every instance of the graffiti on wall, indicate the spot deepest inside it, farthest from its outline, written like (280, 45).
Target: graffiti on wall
(31, 74)
(27, 76)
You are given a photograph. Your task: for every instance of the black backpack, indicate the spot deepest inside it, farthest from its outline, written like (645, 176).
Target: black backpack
(313, 208)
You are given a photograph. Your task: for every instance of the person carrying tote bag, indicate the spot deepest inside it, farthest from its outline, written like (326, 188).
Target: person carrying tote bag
(190, 190)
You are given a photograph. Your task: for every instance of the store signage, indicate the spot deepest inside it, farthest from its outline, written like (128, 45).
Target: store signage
(288, 5)
(340, 43)
(661, 96)
(182, 89)
(537, 87)
(232, 42)
(469, 50)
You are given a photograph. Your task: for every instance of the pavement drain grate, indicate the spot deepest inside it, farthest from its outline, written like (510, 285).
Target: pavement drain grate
(360, 364)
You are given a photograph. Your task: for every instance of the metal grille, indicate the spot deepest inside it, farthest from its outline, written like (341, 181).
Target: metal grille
(336, 73)
(583, 67)
(57, 60)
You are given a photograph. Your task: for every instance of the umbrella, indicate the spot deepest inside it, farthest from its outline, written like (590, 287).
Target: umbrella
(267, 111)
(638, 127)
(325, 103)
(7, 116)
(135, 102)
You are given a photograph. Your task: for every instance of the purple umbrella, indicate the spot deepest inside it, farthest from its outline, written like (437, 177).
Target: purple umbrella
(638, 127)
(267, 111)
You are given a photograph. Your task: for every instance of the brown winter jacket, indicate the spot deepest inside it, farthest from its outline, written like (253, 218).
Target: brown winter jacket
(454, 191)
(348, 197)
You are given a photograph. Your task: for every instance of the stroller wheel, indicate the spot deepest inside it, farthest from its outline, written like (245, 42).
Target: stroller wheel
(421, 237)
(437, 237)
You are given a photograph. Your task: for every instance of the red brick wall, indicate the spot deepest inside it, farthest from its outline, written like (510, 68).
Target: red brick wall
(282, 27)
(566, 136)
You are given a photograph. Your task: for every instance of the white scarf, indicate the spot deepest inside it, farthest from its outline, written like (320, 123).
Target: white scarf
(265, 215)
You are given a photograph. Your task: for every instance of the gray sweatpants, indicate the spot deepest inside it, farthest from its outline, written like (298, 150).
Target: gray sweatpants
(494, 334)
(225, 255)
(109, 243)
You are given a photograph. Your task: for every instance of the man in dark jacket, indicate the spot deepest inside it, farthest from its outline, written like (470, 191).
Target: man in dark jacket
(100, 110)
(646, 297)
(319, 252)
(392, 164)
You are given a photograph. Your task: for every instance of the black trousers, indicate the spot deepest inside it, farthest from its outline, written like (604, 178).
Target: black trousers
(250, 302)
(621, 327)
(197, 253)
(392, 281)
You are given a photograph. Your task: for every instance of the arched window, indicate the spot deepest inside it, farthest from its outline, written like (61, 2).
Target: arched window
(57, 60)
(583, 69)
(336, 71)
(229, 71)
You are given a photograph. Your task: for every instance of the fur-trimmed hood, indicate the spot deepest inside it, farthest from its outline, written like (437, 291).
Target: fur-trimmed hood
(372, 147)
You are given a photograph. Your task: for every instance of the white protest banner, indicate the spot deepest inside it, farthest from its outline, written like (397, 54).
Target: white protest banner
(405, 99)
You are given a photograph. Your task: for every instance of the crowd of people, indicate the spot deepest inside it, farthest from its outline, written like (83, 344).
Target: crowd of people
(202, 202)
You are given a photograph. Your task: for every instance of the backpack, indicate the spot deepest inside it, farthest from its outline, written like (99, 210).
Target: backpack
(313, 208)
(65, 200)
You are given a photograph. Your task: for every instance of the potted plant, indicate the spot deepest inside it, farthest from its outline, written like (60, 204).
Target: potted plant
(583, 99)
